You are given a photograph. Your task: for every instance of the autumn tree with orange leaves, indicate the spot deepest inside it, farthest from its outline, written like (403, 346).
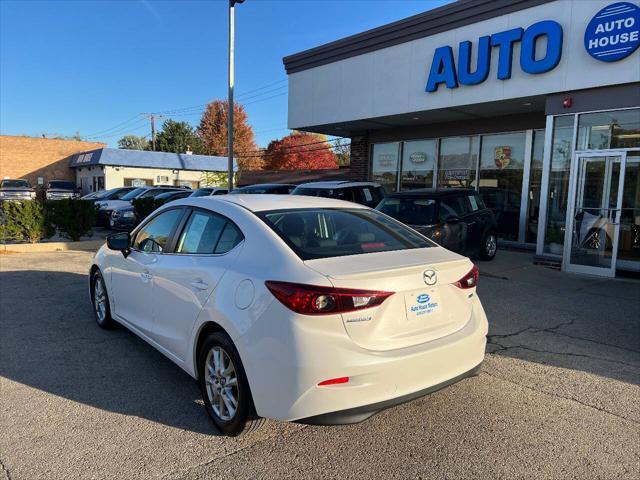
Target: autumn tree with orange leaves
(300, 151)
(213, 131)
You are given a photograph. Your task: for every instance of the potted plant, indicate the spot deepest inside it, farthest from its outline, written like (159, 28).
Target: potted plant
(555, 237)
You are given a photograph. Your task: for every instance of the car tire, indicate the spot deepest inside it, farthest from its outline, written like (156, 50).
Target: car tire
(489, 246)
(100, 302)
(225, 389)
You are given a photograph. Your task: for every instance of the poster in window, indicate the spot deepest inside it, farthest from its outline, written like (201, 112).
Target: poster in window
(502, 156)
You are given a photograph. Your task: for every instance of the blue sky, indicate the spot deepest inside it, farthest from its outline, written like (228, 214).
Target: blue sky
(92, 66)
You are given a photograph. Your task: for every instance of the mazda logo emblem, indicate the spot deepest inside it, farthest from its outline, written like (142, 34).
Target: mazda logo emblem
(430, 277)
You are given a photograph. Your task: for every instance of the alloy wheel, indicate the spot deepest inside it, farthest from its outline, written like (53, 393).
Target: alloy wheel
(100, 299)
(491, 245)
(221, 381)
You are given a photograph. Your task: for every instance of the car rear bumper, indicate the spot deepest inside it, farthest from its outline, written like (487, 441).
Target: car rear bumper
(358, 414)
(284, 372)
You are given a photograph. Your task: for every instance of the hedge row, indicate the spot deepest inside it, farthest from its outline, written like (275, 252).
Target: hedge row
(32, 220)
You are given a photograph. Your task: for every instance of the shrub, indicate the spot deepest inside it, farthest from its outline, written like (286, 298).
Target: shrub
(143, 207)
(23, 221)
(71, 217)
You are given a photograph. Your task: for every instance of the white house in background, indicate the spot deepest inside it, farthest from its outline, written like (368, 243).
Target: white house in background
(106, 168)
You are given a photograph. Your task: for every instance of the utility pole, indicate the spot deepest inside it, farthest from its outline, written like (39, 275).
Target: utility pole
(152, 119)
(153, 132)
(232, 4)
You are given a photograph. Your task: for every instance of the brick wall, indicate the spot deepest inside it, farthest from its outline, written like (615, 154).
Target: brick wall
(30, 157)
(359, 157)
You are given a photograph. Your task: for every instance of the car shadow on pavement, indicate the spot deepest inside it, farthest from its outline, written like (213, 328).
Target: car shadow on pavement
(50, 342)
(575, 322)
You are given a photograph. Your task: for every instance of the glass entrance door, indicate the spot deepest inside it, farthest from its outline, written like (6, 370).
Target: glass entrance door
(591, 242)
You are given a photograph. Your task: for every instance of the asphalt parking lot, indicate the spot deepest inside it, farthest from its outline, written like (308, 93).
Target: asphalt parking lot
(558, 396)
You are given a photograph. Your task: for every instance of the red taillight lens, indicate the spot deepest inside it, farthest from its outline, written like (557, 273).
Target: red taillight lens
(312, 300)
(470, 280)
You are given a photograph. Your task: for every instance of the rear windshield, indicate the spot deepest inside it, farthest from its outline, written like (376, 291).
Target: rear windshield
(412, 211)
(325, 233)
(202, 192)
(132, 194)
(14, 184)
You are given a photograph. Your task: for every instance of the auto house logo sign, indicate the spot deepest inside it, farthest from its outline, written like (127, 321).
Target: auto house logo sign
(614, 32)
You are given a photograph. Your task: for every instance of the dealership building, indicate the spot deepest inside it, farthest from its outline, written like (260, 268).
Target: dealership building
(534, 103)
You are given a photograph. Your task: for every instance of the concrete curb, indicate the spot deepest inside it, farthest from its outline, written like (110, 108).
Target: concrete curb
(87, 245)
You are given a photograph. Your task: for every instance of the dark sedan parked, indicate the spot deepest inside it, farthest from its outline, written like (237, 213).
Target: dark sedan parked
(457, 219)
(272, 188)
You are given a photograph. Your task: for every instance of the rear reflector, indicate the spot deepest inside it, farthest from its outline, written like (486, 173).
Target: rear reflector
(313, 300)
(470, 280)
(334, 381)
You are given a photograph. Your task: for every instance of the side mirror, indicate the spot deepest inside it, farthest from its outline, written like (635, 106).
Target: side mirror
(452, 219)
(119, 241)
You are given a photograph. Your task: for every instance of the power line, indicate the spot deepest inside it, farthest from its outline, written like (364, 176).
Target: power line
(106, 130)
(265, 154)
(240, 96)
(120, 127)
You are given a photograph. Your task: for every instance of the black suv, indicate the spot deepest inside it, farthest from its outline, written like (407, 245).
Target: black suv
(365, 193)
(455, 218)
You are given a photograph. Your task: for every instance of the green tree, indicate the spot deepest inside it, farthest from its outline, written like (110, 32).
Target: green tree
(342, 150)
(133, 142)
(178, 137)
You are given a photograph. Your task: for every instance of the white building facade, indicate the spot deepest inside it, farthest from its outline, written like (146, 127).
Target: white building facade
(108, 168)
(534, 103)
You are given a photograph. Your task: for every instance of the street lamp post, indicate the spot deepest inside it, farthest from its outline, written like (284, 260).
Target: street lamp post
(232, 4)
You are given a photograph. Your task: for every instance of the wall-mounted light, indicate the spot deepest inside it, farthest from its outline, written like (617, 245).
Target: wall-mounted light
(567, 102)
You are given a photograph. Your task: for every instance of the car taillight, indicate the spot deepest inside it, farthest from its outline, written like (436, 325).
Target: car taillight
(470, 280)
(313, 300)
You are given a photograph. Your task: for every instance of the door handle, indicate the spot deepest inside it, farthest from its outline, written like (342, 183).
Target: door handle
(200, 285)
(146, 275)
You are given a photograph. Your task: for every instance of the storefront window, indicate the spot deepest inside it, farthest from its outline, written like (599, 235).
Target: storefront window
(384, 165)
(605, 130)
(418, 163)
(501, 171)
(629, 239)
(457, 163)
(535, 182)
(558, 184)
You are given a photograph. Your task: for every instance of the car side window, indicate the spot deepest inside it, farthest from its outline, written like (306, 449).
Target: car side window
(154, 236)
(367, 195)
(449, 207)
(207, 233)
(201, 233)
(230, 237)
(465, 205)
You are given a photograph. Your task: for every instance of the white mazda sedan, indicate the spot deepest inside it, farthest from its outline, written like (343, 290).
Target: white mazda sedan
(294, 308)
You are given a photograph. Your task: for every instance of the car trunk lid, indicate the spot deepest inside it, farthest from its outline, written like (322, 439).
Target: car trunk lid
(417, 312)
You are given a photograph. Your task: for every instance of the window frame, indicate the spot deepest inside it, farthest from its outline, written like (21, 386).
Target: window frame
(183, 225)
(171, 238)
